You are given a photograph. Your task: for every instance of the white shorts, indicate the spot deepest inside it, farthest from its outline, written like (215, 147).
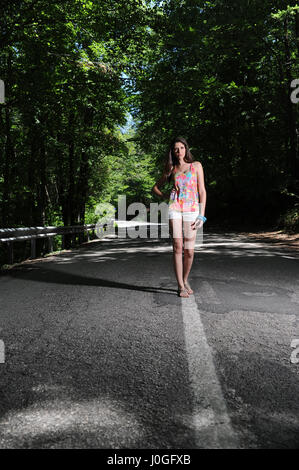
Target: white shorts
(185, 216)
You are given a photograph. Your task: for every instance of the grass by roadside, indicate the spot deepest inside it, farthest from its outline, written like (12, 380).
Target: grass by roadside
(277, 237)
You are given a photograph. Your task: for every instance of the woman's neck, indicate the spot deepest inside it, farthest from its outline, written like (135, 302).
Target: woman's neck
(181, 163)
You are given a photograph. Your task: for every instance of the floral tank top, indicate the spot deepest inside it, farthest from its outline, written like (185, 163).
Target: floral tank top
(184, 195)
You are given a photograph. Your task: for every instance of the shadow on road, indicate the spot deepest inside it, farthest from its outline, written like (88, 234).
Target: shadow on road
(43, 270)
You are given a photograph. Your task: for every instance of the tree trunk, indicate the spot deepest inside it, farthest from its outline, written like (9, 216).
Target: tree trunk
(297, 29)
(8, 152)
(71, 183)
(292, 148)
(82, 186)
(42, 186)
(60, 181)
(31, 215)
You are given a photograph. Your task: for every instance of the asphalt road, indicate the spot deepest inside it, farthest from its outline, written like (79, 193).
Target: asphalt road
(101, 353)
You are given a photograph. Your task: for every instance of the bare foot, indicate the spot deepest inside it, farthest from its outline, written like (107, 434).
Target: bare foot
(188, 288)
(182, 292)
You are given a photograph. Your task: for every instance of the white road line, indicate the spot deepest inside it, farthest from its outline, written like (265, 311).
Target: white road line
(207, 294)
(210, 421)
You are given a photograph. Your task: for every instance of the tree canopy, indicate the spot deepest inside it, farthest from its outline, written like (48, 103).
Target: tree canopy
(219, 73)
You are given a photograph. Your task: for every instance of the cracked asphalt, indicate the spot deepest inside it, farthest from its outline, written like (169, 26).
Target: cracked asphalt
(99, 354)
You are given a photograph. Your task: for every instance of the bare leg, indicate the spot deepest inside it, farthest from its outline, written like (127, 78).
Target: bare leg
(177, 239)
(189, 243)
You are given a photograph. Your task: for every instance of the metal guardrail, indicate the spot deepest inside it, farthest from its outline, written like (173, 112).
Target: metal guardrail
(11, 235)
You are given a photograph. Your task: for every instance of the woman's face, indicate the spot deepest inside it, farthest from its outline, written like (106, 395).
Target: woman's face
(179, 149)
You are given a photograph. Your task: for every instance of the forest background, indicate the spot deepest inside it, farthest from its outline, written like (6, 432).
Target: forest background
(96, 90)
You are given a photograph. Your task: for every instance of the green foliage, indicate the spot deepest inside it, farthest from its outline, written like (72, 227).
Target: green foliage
(217, 72)
(65, 99)
(220, 75)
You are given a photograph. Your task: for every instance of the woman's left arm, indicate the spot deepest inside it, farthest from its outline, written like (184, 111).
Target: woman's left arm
(201, 187)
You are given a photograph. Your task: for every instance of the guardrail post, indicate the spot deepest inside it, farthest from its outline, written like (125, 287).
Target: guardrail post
(10, 252)
(50, 244)
(33, 248)
(74, 237)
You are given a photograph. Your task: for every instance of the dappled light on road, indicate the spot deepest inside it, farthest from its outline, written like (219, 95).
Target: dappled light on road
(94, 423)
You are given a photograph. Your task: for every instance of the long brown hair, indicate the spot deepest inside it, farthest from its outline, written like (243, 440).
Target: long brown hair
(172, 159)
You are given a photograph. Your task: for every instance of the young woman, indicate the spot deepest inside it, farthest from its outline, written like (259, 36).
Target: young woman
(187, 202)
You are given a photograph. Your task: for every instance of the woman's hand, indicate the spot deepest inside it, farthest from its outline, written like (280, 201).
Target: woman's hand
(197, 224)
(170, 195)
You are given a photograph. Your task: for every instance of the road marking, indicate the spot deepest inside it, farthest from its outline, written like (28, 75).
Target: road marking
(2, 351)
(207, 294)
(294, 297)
(210, 421)
(260, 294)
